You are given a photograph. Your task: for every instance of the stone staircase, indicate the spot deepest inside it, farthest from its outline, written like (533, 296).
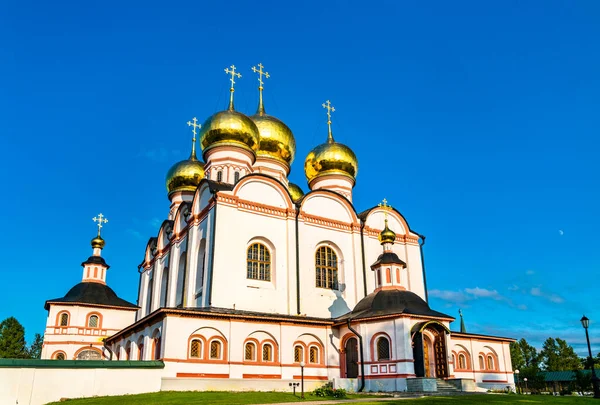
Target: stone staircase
(445, 387)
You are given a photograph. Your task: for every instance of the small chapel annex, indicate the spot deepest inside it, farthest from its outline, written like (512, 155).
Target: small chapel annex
(250, 280)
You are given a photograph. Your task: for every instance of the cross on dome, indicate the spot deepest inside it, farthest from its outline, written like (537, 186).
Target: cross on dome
(232, 80)
(260, 74)
(385, 207)
(194, 124)
(100, 219)
(327, 105)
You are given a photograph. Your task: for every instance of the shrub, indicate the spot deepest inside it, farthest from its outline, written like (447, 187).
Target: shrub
(328, 391)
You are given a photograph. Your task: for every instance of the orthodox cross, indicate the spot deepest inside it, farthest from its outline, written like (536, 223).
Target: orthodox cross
(193, 123)
(260, 74)
(233, 75)
(99, 221)
(385, 207)
(327, 105)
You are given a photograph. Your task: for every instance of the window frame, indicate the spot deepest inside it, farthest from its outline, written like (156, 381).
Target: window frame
(59, 318)
(253, 354)
(270, 351)
(266, 262)
(327, 274)
(297, 346)
(389, 349)
(462, 357)
(220, 349)
(317, 355)
(98, 323)
(200, 348)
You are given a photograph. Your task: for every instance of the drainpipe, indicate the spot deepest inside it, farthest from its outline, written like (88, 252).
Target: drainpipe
(297, 261)
(107, 349)
(362, 357)
(421, 243)
(212, 250)
(362, 251)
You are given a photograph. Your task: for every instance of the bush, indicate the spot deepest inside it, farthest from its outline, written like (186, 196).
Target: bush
(328, 391)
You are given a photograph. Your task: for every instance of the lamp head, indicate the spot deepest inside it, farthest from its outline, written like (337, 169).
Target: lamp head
(302, 364)
(517, 372)
(585, 322)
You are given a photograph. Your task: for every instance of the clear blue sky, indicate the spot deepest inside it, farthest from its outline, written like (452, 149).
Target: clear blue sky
(485, 116)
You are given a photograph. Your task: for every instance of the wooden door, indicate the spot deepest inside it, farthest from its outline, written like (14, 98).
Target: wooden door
(351, 350)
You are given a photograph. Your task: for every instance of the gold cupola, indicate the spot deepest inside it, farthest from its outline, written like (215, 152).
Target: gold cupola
(276, 139)
(387, 235)
(295, 192)
(331, 157)
(186, 175)
(229, 127)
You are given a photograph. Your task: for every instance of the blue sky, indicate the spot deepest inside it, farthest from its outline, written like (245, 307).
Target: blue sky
(487, 112)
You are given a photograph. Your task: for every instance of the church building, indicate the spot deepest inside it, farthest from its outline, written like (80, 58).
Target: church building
(250, 279)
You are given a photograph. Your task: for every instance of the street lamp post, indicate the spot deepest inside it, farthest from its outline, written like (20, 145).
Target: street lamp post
(585, 322)
(525, 380)
(302, 379)
(517, 374)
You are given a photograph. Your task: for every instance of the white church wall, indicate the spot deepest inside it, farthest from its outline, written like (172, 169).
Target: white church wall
(77, 334)
(37, 386)
(236, 231)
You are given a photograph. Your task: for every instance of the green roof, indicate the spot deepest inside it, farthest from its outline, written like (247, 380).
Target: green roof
(23, 363)
(551, 376)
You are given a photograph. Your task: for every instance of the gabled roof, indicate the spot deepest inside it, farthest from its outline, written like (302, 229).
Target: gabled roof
(92, 293)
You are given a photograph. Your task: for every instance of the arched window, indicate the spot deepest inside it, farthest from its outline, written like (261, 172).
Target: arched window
(326, 268)
(313, 354)
(490, 363)
(118, 353)
(181, 277)
(60, 356)
(236, 176)
(259, 262)
(128, 351)
(481, 363)
(383, 349)
(398, 275)
(219, 176)
(156, 342)
(93, 321)
(64, 319)
(388, 275)
(149, 296)
(462, 361)
(89, 355)
(164, 284)
(298, 354)
(140, 346)
(250, 352)
(267, 352)
(378, 275)
(196, 348)
(215, 350)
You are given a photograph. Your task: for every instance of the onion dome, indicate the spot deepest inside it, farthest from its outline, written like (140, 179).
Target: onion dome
(295, 191)
(229, 127)
(387, 235)
(330, 158)
(276, 139)
(186, 175)
(98, 243)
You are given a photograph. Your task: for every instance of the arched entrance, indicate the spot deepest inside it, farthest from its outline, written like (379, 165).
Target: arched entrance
(429, 349)
(351, 352)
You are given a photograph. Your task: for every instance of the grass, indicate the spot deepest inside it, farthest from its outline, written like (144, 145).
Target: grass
(247, 398)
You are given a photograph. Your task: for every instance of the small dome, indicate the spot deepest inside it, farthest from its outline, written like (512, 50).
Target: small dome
(330, 158)
(185, 175)
(229, 127)
(387, 235)
(98, 242)
(295, 191)
(392, 302)
(276, 139)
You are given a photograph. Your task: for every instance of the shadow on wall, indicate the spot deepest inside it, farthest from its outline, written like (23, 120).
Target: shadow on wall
(338, 306)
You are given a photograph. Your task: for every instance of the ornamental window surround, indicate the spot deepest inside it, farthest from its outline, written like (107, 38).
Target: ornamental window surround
(462, 361)
(93, 321)
(258, 261)
(490, 362)
(326, 268)
(60, 356)
(64, 319)
(267, 352)
(313, 355)
(481, 363)
(220, 176)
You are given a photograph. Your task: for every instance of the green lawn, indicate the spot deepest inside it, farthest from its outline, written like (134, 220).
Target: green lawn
(244, 398)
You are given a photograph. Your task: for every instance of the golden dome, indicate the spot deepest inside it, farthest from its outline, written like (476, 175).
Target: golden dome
(276, 139)
(387, 235)
(295, 191)
(185, 175)
(98, 242)
(229, 127)
(330, 158)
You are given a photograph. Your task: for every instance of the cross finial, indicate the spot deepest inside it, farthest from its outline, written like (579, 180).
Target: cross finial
(261, 108)
(385, 207)
(232, 80)
(99, 221)
(194, 124)
(327, 105)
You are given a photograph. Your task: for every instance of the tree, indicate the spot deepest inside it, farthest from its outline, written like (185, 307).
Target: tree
(557, 355)
(516, 356)
(12, 339)
(523, 355)
(583, 381)
(35, 350)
